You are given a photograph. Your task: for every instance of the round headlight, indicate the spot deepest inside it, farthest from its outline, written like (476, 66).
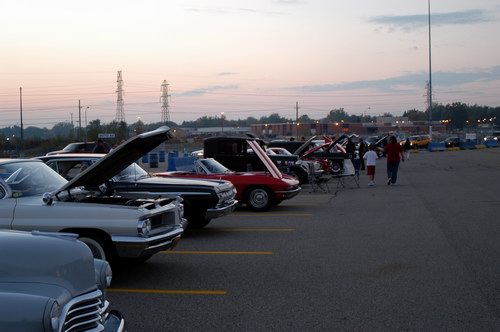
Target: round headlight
(181, 210)
(144, 227)
(103, 273)
(55, 314)
(108, 275)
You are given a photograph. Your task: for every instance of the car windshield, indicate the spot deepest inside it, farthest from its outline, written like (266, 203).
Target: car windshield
(30, 178)
(73, 147)
(214, 167)
(132, 172)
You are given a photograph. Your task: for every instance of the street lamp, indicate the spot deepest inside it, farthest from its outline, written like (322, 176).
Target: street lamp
(430, 72)
(222, 120)
(86, 129)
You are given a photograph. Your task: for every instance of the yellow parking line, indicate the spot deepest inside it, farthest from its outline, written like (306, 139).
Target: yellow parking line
(167, 291)
(190, 252)
(272, 215)
(246, 230)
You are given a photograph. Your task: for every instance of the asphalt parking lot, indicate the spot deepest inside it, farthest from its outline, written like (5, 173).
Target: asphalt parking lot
(420, 256)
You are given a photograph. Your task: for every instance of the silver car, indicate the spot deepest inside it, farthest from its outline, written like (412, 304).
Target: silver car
(51, 282)
(34, 197)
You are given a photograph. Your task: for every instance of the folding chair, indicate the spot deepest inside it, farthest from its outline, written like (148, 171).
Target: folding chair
(349, 177)
(317, 180)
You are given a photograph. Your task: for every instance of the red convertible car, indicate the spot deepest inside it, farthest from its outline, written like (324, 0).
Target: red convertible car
(258, 190)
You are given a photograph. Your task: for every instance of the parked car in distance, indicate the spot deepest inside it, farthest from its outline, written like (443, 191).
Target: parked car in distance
(82, 147)
(419, 141)
(258, 190)
(452, 142)
(34, 197)
(330, 155)
(51, 282)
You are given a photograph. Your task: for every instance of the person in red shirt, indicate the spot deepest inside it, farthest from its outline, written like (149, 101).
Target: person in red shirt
(393, 151)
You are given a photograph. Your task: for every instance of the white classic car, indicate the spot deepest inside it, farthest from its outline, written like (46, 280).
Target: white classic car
(51, 282)
(34, 197)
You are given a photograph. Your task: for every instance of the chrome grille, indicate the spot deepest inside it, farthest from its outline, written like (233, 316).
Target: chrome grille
(226, 196)
(84, 313)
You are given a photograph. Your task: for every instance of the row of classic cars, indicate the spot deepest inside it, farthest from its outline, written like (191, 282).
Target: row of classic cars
(67, 217)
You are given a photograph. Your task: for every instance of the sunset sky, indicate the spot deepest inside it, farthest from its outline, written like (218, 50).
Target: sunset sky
(243, 58)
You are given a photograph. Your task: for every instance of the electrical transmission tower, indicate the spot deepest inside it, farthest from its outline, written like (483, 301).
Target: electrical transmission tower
(120, 114)
(165, 111)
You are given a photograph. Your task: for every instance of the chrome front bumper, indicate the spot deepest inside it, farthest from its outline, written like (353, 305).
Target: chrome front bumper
(287, 194)
(221, 211)
(129, 246)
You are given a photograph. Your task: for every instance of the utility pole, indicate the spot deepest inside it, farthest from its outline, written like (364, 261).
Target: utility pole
(297, 120)
(21, 112)
(430, 73)
(79, 121)
(165, 111)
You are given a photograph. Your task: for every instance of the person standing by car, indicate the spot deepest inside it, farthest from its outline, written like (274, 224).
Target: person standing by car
(99, 148)
(407, 148)
(350, 148)
(361, 152)
(393, 152)
(371, 161)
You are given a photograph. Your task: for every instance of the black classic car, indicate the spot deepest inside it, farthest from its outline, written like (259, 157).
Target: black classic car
(83, 147)
(203, 200)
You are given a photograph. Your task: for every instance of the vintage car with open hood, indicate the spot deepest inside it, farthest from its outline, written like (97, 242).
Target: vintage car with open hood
(259, 190)
(203, 200)
(51, 282)
(34, 197)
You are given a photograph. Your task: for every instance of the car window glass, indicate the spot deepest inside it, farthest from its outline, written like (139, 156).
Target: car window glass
(71, 168)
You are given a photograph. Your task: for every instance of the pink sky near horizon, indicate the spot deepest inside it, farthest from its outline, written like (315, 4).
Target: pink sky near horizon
(242, 58)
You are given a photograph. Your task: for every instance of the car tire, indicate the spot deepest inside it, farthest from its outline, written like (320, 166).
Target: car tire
(259, 198)
(98, 245)
(336, 167)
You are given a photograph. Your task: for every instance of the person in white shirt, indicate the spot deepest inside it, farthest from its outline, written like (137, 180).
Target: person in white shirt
(371, 161)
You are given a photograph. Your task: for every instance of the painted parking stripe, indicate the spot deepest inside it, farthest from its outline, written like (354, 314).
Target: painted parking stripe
(167, 291)
(245, 230)
(192, 252)
(272, 215)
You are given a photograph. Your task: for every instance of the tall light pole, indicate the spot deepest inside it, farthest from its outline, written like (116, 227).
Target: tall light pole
(430, 72)
(21, 111)
(86, 129)
(222, 119)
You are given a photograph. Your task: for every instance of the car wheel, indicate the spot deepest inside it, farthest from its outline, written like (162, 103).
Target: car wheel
(336, 168)
(259, 199)
(98, 246)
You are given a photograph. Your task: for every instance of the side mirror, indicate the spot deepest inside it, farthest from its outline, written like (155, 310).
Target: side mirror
(47, 199)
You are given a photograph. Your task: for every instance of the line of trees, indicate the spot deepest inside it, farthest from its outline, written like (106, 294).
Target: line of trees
(458, 116)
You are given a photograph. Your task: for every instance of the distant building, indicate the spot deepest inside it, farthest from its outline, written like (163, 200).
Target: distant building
(400, 125)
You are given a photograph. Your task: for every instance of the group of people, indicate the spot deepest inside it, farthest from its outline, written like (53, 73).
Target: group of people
(395, 154)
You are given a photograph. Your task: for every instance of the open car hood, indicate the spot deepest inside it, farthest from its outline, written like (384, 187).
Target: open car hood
(301, 148)
(118, 159)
